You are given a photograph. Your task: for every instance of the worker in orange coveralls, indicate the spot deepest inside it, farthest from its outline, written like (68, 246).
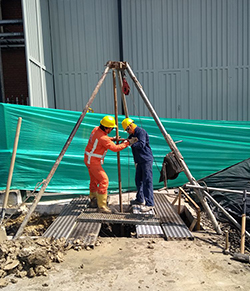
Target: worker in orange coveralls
(95, 151)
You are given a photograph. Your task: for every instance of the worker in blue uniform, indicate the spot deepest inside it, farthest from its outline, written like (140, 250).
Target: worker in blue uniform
(143, 158)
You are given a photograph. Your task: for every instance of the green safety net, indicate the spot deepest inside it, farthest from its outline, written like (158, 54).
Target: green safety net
(207, 147)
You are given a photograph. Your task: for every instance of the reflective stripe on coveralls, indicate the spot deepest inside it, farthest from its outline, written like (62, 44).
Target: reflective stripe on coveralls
(91, 154)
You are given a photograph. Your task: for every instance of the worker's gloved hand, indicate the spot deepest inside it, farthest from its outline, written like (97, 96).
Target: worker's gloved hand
(133, 140)
(126, 142)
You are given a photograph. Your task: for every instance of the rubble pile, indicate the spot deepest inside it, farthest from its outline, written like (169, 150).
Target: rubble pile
(35, 227)
(32, 257)
(29, 257)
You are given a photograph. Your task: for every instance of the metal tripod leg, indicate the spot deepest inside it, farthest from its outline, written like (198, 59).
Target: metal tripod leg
(174, 148)
(57, 162)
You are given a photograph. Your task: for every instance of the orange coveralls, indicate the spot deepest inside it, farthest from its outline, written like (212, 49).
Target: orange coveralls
(95, 151)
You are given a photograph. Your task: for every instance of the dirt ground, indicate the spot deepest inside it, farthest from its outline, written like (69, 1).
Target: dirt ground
(145, 264)
(120, 263)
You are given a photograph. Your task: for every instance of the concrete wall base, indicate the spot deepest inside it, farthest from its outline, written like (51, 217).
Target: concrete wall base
(15, 198)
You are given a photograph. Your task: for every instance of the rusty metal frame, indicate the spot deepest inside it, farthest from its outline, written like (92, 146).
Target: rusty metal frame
(120, 66)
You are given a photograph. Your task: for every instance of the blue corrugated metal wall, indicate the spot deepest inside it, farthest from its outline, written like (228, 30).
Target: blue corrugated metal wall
(191, 56)
(84, 37)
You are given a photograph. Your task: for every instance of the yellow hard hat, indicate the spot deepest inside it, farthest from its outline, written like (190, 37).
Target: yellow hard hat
(108, 121)
(126, 122)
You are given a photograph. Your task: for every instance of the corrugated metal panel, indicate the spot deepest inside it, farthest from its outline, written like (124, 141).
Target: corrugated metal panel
(171, 225)
(84, 37)
(86, 231)
(38, 52)
(156, 46)
(241, 58)
(171, 222)
(66, 221)
(147, 230)
(191, 57)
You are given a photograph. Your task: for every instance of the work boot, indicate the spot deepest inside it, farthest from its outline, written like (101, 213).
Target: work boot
(146, 208)
(93, 200)
(102, 203)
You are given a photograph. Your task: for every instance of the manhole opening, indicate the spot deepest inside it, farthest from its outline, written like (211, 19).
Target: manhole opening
(188, 218)
(117, 230)
(185, 219)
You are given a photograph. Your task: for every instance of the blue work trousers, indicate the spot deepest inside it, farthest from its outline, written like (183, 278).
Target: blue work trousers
(144, 183)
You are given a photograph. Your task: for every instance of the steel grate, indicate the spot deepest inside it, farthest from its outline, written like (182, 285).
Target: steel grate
(120, 218)
(72, 223)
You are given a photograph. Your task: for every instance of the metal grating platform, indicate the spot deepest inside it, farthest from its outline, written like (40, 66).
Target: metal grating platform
(72, 223)
(119, 218)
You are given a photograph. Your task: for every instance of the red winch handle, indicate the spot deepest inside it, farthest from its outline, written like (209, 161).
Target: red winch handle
(125, 86)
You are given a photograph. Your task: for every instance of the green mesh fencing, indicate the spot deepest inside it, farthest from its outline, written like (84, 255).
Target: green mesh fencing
(207, 147)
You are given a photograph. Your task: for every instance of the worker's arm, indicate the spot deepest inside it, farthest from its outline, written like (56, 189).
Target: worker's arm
(141, 143)
(109, 145)
(117, 139)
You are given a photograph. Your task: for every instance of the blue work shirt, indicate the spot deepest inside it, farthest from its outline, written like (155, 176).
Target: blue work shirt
(141, 149)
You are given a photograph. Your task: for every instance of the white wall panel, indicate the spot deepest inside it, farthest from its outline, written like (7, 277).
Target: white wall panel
(38, 53)
(36, 99)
